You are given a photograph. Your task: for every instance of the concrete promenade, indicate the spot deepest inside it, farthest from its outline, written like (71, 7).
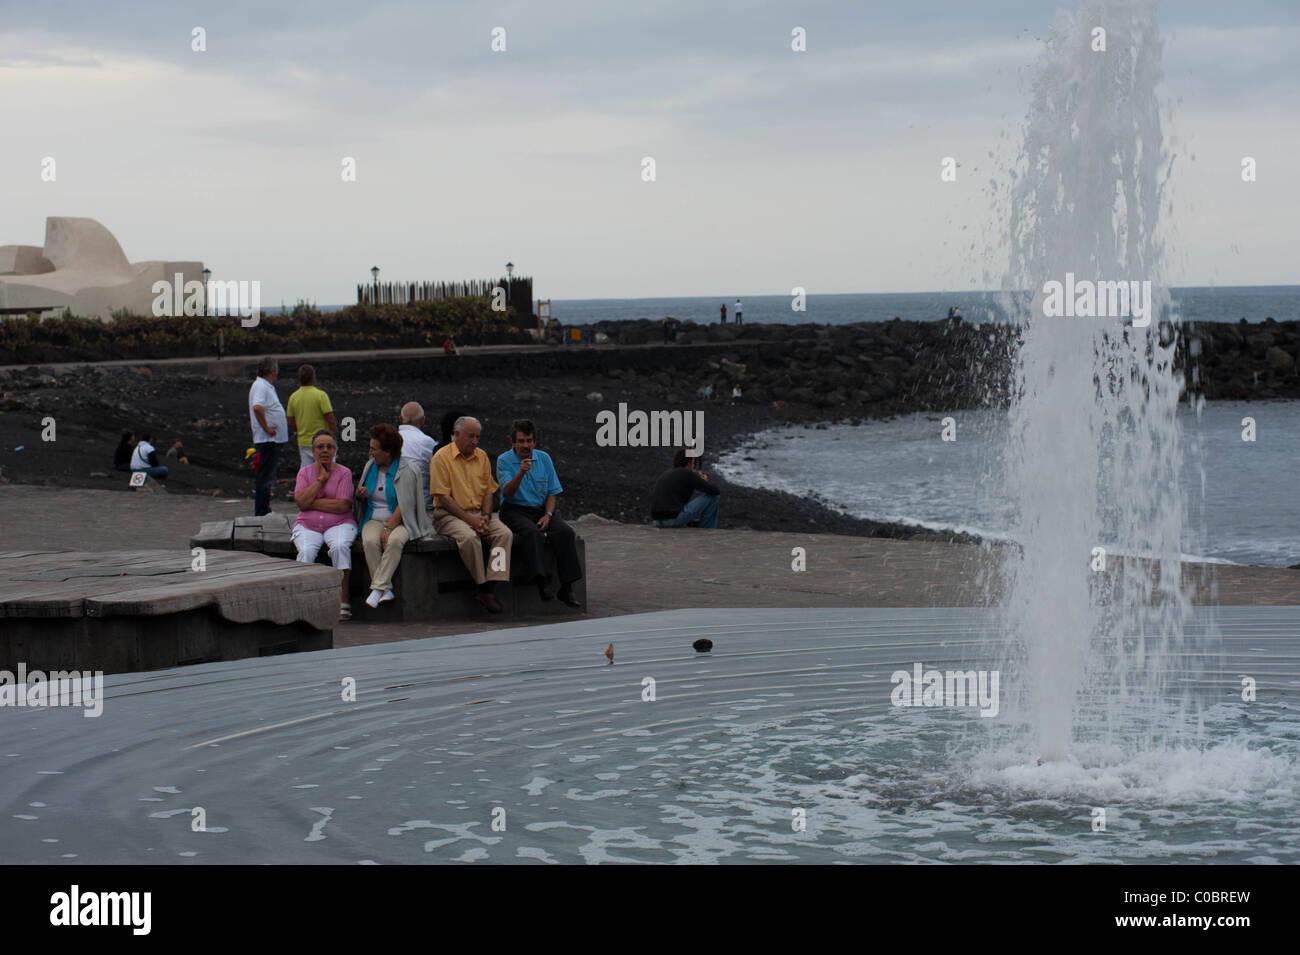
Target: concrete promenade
(632, 569)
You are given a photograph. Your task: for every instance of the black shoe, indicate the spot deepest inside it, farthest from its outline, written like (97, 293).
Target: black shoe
(567, 596)
(544, 590)
(489, 602)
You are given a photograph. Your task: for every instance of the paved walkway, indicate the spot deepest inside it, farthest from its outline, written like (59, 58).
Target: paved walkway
(631, 569)
(235, 364)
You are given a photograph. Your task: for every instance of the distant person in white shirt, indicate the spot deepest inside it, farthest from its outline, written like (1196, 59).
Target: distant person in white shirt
(417, 447)
(739, 319)
(270, 430)
(145, 458)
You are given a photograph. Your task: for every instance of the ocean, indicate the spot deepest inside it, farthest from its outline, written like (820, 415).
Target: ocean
(1202, 304)
(1240, 500)
(1254, 303)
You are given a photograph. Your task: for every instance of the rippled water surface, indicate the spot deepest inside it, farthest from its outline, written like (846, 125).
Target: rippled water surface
(791, 711)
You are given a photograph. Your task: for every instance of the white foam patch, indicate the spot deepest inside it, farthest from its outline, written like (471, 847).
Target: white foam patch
(1228, 772)
(318, 827)
(535, 787)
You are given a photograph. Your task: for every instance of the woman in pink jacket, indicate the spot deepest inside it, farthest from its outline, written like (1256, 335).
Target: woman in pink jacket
(324, 498)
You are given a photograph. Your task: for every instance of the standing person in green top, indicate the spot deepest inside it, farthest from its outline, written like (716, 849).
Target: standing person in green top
(310, 411)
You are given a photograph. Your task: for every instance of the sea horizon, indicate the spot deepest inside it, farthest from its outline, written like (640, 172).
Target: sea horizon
(1214, 303)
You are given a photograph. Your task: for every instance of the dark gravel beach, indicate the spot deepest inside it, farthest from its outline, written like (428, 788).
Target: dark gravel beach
(790, 376)
(93, 405)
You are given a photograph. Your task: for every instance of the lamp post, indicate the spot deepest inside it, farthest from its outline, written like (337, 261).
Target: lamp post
(374, 274)
(221, 332)
(510, 271)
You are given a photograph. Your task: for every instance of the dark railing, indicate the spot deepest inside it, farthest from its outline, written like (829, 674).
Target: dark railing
(519, 292)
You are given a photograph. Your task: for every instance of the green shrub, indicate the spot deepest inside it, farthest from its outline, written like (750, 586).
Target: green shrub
(421, 325)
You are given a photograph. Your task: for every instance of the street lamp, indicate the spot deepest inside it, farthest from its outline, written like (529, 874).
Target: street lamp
(374, 274)
(221, 332)
(510, 271)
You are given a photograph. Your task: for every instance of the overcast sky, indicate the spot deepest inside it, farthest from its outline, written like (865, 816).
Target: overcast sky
(774, 168)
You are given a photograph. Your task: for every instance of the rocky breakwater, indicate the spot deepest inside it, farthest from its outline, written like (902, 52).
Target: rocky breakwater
(1242, 361)
(875, 368)
(884, 368)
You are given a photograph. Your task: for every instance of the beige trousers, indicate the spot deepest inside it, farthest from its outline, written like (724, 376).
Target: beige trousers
(470, 544)
(383, 565)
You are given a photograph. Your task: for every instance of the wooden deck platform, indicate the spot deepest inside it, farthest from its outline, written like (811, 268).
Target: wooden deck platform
(126, 611)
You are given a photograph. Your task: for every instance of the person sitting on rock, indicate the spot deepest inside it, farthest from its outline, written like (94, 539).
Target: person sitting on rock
(145, 458)
(324, 496)
(683, 496)
(390, 510)
(462, 484)
(529, 490)
(122, 454)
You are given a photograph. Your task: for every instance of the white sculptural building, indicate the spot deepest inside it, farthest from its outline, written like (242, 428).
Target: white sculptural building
(81, 268)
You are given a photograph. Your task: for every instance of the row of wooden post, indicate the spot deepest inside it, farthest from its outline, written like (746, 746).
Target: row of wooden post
(519, 292)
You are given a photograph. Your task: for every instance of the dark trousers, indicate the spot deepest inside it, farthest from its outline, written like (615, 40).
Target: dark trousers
(270, 456)
(529, 560)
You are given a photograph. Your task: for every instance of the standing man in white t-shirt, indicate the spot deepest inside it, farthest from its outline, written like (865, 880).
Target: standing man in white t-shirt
(739, 319)
(270, 430)
(417, 447)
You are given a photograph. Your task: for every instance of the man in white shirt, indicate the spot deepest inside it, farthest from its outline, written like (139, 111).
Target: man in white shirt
(417, 447)
(739, 320)
(145, 458)
(270, 430)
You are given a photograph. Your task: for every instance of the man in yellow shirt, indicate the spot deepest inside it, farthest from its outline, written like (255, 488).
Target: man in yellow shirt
(460, 477)
(309, 411)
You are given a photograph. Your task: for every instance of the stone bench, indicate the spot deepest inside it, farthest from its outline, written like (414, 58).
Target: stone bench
(127, 611)
(431, 583)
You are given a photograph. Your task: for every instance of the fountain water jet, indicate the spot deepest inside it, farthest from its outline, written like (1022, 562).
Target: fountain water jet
(1093, 450)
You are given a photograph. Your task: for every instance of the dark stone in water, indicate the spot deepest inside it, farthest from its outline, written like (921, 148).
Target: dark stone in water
(703, 645)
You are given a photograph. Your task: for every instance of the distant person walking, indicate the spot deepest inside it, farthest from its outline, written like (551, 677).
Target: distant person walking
(672, 503)
(310, 411)
(270, 430)
(145, 458)
(739, 316)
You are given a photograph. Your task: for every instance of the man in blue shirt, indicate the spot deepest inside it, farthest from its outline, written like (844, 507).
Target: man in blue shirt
(529, 488)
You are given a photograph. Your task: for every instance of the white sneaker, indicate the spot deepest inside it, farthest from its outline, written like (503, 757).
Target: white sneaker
(373, 600)
(388, 595)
